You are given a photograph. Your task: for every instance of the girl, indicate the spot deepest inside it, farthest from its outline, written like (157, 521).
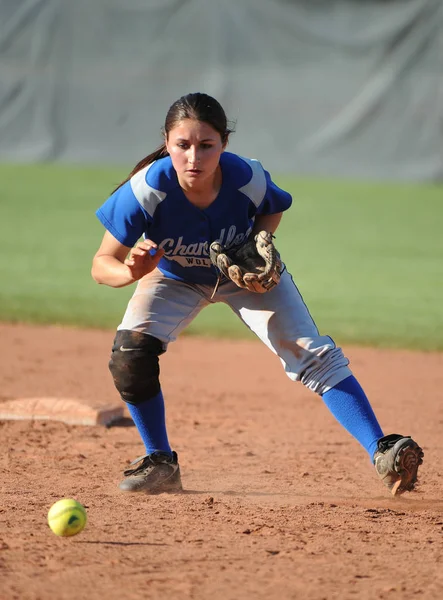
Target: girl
(187, 194)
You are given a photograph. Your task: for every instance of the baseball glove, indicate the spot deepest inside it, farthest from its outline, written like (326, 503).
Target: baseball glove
(255, 266)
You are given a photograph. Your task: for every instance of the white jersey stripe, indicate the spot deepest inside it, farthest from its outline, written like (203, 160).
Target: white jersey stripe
(148, 197)
(255, 189)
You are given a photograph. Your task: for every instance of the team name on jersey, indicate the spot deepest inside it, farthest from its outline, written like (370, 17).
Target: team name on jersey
(197, 253)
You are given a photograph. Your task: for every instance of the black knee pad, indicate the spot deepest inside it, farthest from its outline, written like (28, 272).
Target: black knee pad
(134, 365)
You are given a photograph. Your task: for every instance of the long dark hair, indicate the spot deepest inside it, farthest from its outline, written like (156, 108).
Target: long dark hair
(199, 107)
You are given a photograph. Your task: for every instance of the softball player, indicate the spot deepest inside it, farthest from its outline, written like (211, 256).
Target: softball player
(159, 225)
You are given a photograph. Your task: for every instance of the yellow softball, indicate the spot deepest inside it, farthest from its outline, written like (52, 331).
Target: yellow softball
(67, 517)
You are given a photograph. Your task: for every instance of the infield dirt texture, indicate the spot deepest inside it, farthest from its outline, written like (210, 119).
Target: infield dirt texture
(280, 502)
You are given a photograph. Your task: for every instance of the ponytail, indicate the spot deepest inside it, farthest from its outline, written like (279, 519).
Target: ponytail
(161, 152)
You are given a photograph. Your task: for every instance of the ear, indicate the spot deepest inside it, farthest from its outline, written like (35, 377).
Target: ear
(166, 144)
(165, 139)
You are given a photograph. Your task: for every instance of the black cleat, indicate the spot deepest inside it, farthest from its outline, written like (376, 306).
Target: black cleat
(396, 461)
(154, 474)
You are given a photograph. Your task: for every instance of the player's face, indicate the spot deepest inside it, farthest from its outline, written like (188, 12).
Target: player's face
(195, 150)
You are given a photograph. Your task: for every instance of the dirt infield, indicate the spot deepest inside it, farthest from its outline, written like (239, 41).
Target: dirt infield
(280, 502)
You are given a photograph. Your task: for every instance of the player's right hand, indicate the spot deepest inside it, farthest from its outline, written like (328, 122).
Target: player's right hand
(140, 260)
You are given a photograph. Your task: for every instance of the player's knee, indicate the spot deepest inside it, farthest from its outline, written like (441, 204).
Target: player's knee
(320, 363)
(134, 365)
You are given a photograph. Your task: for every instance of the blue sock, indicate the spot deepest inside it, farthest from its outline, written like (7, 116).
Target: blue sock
(149, 418)
(350, 406)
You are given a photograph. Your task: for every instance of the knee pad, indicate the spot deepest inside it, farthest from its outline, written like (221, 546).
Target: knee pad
(318, 363)
(134, 365)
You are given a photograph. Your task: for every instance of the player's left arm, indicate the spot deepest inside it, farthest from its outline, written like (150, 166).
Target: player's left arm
(267, 223)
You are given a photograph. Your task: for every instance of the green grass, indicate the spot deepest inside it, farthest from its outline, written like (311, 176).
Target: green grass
(367, 257)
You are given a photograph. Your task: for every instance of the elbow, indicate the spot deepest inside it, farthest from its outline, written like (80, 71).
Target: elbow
(94, 277)
(95, 274)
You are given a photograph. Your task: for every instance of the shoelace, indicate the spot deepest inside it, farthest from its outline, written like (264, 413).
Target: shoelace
(146, 461)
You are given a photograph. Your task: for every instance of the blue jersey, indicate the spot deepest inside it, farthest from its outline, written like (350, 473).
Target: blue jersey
(153, 205)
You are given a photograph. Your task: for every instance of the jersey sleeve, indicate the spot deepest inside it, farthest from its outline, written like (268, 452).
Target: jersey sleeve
(275, 200)
(123, 216)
